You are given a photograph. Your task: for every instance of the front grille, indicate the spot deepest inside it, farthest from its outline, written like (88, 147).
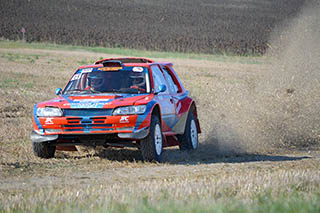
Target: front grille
(87, 112)
(87, 125)
(87, 120)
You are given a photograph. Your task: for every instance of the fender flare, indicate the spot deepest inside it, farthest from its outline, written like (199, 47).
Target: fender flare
(180, 126)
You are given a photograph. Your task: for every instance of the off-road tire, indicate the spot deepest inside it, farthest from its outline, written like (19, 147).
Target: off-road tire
(189, 140)
(148, 145)
(43, 150)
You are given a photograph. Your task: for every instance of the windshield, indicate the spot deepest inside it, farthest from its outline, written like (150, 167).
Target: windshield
(133, 80)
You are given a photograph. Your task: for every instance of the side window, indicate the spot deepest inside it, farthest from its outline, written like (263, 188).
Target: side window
(158, 78)
(172, 86)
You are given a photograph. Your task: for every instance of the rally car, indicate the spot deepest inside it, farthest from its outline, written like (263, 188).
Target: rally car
(122, 102)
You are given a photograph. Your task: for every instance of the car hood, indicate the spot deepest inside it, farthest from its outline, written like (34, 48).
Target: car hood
(97, 101)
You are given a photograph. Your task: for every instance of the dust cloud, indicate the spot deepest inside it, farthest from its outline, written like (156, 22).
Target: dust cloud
(281, 107)
(291, 113)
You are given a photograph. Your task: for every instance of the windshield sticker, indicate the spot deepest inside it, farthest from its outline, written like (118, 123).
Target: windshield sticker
(110, 68)
(137, 69)
(75, 77)
(86, 70)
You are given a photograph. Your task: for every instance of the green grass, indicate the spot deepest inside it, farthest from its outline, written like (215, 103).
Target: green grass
(22, 58)
(265, 202)
(9, 83)
(135, 53)
(17, 80)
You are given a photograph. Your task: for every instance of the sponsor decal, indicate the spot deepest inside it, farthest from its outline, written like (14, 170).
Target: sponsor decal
(75, 77)
(110, 68)
(124, 119)
(49, 121)
(87, 105)
(86, 70)
(137, 69)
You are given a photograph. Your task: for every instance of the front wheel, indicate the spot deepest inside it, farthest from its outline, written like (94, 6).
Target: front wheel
(189, 140)
(43, 149)
(152, 145)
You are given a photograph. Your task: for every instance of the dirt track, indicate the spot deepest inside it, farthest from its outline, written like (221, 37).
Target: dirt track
(124, 174)
(223, 150)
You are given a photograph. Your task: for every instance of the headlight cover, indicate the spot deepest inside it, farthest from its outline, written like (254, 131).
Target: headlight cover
(49, 112)
(130, 110)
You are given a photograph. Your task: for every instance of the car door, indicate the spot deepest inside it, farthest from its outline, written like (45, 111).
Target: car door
(174, 88)
(168, 112)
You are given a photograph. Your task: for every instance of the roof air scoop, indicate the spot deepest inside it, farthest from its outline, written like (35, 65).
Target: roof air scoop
(112, 63)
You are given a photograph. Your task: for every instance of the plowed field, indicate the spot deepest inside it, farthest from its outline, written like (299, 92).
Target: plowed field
(202, 26)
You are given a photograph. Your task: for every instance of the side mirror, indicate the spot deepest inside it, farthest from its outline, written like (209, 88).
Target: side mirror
(161, 88)
(58, 91)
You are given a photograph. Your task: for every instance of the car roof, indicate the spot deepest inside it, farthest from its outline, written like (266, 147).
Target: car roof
(128, 61)
(134, 61)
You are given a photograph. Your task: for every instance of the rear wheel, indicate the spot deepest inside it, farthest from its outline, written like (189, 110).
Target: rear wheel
(43, 149)
(151, 146)
(189, 140)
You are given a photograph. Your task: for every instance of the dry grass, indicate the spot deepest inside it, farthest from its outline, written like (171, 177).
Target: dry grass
(225, 166)
(243, 159)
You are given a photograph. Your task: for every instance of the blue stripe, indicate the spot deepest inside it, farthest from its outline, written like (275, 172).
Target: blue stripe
(142, 117)
(36, 119)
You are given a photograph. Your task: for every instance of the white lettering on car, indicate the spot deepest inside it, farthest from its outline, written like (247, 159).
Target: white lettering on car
(86, 70)
(124, 119)
(75, 77)
(48, 121)
(87, 105)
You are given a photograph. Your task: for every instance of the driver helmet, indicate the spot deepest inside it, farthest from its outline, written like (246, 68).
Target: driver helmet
(138, 79)
(95, 80)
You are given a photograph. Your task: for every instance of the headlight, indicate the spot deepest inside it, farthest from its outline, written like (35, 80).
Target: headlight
(130, 110)
(49, 112)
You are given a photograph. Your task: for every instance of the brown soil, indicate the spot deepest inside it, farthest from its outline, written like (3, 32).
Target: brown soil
(241, 27)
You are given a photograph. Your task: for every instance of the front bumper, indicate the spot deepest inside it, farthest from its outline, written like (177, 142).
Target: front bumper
(91, 124)
(37, 138)
(133, 127)
(137, 135)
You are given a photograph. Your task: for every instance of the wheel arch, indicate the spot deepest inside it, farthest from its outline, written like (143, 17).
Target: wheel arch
(193, 110)
(157, 111)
